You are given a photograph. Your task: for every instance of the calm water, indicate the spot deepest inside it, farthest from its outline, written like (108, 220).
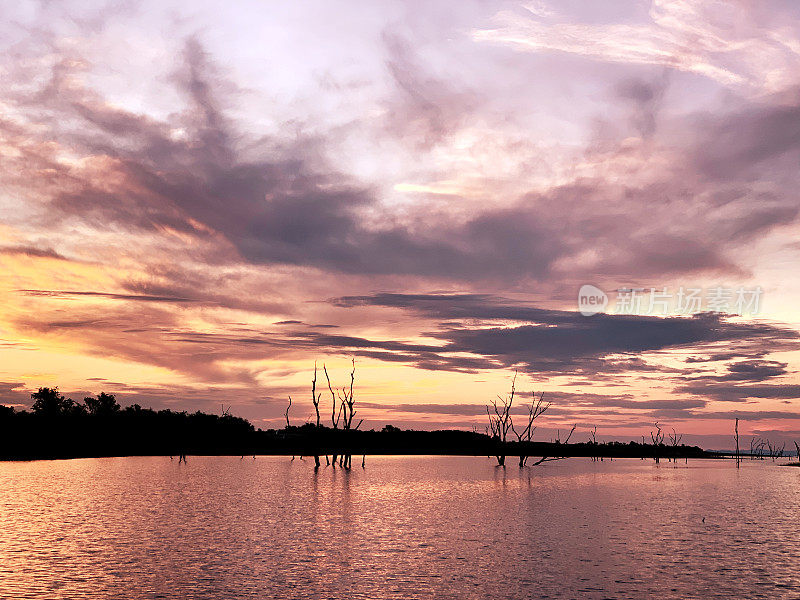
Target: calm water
(442, 527)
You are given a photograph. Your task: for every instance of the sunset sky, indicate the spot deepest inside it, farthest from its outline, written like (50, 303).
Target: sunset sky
(200, 200)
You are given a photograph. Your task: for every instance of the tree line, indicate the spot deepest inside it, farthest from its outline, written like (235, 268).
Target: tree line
(60, 427)
(57, 426)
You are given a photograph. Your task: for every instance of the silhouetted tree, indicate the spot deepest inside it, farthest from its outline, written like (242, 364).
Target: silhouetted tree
(756, 448)
(347, 402)
(674, 440)
(343, 411)
(535, 409)
(775, 451)
(103, 405)
(347, 399)
(48, 402)
(500, 422)
(593, 441)
(658, 441)
(315, 398)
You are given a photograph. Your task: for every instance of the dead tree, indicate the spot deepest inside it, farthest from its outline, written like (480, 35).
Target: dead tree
(736, 432)
(775, 451)
(569, 435)
(797, 451)
(335, 415)
(674, 442)
(286, 414)
(757, 446)
(535, 409)
(593, 442)
(658, 441)
(344, 414)
(315, 398)
(544, 459)
(500, 422)
(347, 401)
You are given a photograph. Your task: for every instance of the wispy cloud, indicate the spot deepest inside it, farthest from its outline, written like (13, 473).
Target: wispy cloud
(724, 41)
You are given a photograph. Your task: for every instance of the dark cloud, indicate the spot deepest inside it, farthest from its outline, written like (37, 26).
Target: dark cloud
(748, 415)
(130, 297)
(753, 137)
(33, 251)
(566, 342)
(742, 393)
(465, 410)
(14, 394)
(741, 382)
(276, 209)
(274, 205)
(570, 347)
(625, 401)
(749, 370)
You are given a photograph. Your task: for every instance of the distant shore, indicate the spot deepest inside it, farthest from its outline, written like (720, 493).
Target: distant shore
(59, 428)
(135, 431)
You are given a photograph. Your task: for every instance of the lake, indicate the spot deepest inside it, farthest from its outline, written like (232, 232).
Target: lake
(403, 527)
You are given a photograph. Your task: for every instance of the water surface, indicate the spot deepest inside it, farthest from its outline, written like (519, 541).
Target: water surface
(404, 527)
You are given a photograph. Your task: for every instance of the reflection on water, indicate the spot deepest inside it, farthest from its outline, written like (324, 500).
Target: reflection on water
(405, 527)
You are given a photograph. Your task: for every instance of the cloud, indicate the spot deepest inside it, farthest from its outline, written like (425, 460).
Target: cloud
(742, 393)
(625, 401)
(565, 348)
(266, 202)
(425, 109)
(216, 211)
(33, 252)
(273, 210)
(762, 134)
(729, 43)
(146, 333)
(555, 341)
(646, 98)
(129, 297)
(749, 370)
(14, 394)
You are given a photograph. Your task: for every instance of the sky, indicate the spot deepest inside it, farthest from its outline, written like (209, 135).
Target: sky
(200, 201)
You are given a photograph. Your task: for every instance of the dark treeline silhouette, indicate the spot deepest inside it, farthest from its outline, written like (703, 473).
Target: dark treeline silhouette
(59, 427)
